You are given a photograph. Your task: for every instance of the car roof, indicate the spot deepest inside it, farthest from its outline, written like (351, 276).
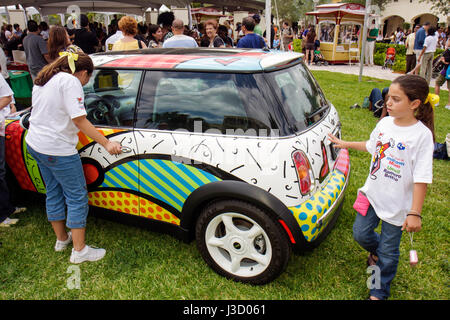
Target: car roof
(197, 59)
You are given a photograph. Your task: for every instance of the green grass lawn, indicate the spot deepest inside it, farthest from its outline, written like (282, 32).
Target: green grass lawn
(141, 264)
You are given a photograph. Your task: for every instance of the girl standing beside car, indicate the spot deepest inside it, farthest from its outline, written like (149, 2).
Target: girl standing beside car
(394, 195)
(57, 116)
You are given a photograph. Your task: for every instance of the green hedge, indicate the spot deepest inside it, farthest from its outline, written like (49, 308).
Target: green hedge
(382, 47)
(297, 45)
(400, 55)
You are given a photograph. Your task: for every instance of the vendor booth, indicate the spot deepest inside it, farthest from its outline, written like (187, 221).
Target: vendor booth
(339, 27)
(204, 14)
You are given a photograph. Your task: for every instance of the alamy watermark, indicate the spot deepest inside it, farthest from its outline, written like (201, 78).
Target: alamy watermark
(235, 147)
(74, 280)
(374, 281)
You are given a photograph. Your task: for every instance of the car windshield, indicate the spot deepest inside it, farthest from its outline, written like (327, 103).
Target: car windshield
(300, 95)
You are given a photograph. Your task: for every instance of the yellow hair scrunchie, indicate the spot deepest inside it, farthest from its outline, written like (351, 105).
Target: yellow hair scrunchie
(71, 58)
(433, 99)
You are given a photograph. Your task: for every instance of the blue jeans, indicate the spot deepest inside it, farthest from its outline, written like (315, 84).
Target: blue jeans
(66, 186)
(386, 246)
(376, 95)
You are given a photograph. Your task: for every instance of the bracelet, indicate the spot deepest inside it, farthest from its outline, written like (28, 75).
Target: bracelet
(412, 214)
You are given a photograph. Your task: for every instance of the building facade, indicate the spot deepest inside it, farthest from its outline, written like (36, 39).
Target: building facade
(412, 12)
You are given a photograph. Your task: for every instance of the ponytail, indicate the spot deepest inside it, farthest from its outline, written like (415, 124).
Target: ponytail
(63, 64)
(416, 88)
(425, 113)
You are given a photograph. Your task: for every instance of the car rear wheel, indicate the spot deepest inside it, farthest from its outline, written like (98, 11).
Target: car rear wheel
(242, 242)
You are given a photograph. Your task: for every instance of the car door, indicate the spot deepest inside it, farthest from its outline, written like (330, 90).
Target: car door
(112, 180)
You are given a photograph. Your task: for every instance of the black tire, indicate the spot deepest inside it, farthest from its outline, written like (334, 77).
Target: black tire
(269, 245)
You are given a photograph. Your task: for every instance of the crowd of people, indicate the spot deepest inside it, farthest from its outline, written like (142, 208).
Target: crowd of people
(400, 36)
(421, 44)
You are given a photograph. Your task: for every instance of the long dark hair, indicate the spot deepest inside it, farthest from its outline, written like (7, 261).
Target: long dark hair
(416, 87)
(57, 41)
(84, 62)
(153, 28)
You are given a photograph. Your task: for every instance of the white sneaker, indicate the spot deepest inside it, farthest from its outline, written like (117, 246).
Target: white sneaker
(19, 210)
(61, 245)
(87, 254)
(7, 222)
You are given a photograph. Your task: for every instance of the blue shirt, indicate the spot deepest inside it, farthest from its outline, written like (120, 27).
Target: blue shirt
(421, 34)
(252, 40)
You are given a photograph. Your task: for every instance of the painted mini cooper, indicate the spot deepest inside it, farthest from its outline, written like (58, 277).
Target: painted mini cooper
(225, 146)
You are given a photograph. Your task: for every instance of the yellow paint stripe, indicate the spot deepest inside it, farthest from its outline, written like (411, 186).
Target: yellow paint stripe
(186, 178)
(171, 178)
(162, 183)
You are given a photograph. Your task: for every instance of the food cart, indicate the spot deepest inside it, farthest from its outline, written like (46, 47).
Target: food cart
(339, 27)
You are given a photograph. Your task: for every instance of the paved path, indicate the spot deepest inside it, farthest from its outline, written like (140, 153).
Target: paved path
(374, 72)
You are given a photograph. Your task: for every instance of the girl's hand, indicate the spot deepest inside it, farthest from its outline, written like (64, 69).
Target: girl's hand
(338, 143)
(113, 147)
(412, 224)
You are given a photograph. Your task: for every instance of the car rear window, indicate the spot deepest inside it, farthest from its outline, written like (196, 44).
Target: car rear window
(300, 95)
(201, 101)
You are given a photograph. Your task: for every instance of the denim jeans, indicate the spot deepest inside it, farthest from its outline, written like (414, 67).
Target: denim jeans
(376, 95)
(386, 246)
(6, 208)
(66, 186)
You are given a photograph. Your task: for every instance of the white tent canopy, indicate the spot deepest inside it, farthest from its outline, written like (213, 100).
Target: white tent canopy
(137, 7)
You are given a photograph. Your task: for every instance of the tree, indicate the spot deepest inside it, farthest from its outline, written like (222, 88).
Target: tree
(439, 6)
(380, 3)
(293, 10)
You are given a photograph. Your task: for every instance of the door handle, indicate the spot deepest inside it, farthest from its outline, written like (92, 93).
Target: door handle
(126, 149)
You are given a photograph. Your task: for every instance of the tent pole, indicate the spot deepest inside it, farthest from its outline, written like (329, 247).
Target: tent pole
(279, 26)
(8, 19)
(189, 16)
(269, 22)
(364, 40)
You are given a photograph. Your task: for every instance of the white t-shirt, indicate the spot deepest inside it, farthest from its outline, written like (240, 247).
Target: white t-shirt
(55, 104)
(8, 35)
(3, 64)
(401, 156)
(430, 43)
(113, 39)
(180, 41)
(5, 91)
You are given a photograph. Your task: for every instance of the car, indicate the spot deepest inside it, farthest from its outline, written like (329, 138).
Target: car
(225, 146)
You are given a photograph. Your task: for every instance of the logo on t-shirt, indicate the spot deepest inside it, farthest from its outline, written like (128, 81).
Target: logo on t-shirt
(379, 155)
(401, 146)
(80, 102)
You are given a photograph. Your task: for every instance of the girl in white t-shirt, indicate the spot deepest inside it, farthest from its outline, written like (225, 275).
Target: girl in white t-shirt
(402, 166)
(57, 116)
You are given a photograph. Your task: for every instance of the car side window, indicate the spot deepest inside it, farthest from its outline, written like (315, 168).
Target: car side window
(200, 101)
(110, 97)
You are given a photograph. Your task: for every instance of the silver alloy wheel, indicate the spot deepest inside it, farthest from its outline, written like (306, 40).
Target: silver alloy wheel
(238, 244)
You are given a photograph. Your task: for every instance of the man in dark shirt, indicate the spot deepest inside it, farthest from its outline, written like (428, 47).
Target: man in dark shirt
(251, 39)
(84, 38)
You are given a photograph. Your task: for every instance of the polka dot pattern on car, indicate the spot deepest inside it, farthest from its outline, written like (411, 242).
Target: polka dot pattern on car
(309, 212)
(131, 204)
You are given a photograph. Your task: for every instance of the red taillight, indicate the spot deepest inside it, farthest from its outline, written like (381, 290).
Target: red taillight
(304, 172)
